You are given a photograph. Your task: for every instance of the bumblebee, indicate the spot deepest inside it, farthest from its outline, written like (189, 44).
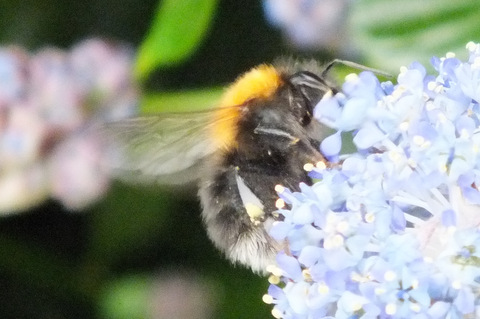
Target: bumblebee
(261, 135)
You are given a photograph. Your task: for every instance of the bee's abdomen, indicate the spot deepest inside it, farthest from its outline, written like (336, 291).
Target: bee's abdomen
(230, 227)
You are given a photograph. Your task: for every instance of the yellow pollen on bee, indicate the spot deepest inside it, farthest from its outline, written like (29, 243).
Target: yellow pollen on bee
(295, 141)
(279, 203)
(254, 211)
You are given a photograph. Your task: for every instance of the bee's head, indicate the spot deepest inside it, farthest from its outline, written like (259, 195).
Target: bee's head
(283, 121)
(270, 109)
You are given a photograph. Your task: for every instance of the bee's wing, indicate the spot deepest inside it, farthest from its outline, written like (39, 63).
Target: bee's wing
(164, 147)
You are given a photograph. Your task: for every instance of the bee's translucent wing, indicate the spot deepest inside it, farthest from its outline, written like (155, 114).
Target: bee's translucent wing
(166, 147)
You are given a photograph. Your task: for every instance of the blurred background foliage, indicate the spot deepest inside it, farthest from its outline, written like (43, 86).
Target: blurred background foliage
(137, 246)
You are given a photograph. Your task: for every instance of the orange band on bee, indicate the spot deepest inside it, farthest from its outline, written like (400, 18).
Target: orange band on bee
(260, 82)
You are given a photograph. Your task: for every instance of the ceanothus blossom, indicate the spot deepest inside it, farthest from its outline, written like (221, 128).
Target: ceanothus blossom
(392, 229)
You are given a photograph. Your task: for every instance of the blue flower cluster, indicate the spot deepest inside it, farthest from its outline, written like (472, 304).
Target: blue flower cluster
(392, 231)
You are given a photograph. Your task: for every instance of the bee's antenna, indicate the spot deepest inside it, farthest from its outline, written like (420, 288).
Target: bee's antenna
(355, 66)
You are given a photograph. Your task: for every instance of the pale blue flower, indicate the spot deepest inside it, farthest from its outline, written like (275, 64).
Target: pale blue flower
(393, 231)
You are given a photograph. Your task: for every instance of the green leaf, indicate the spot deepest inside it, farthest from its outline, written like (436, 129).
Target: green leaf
(177, 30)
(390, 33)
(40, 268)
(126, 219)
(127, 298)
(181, 101)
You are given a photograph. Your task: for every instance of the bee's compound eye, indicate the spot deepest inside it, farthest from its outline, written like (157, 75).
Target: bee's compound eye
(306, 119)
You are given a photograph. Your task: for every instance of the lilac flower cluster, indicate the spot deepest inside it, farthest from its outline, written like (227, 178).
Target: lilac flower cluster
(392, 231)
(48, 102)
